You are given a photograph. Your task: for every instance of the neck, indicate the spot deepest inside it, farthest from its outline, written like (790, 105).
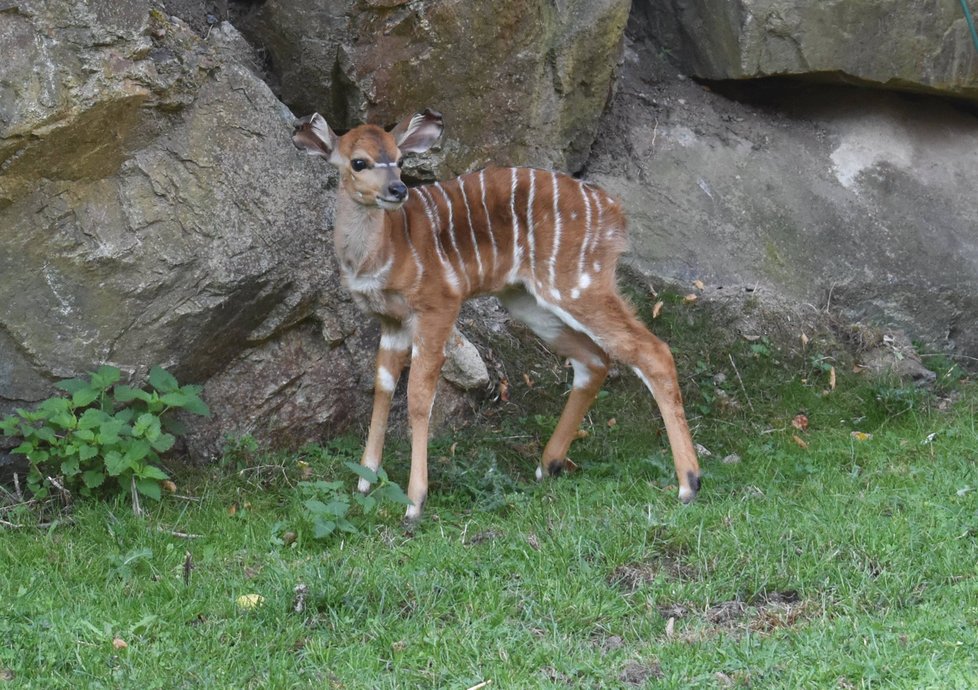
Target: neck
(358, 235)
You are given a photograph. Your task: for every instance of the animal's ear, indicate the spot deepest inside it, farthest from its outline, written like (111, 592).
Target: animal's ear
(416, 133)
(313, 135)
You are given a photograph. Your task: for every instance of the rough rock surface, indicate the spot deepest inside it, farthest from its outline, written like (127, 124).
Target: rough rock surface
(153, 211)
(518, 82)
(923, 46)
(831, 196)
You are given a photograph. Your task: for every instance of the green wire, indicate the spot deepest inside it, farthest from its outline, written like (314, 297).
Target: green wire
(971, 23)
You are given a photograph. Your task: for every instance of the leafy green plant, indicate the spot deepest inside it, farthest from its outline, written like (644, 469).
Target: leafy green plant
(329, 506)
(101, 429)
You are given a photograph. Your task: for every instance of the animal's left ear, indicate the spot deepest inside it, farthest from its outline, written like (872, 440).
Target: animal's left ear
(417, 133)
(313, 135)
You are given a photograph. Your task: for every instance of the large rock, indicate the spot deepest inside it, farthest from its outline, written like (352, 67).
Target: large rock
(906, 45)
(847, 199)
(154, 211)
(518, 82)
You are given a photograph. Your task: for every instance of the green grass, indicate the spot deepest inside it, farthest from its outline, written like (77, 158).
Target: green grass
(847, 563)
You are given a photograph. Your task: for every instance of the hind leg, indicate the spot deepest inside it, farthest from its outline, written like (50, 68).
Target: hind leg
(615, 328)
(590, 370)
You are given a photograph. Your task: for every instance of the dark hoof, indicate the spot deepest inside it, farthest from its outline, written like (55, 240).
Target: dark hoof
(686, 495)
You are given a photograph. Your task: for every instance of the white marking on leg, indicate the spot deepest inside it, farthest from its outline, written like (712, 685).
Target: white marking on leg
(413, 512)
(645, 380)
(451, 236)
(492, 237)
(396, 341)
(558, 227)
(539, 473)
(475, 242)
(582, 374)
(385, 379)
(686, 494)
(435, 222)
(363, 486)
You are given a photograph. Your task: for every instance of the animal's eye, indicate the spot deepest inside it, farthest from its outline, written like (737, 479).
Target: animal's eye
(400, 162)
(358, 164)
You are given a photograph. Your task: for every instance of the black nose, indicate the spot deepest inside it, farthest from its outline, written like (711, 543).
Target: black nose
(398, 190)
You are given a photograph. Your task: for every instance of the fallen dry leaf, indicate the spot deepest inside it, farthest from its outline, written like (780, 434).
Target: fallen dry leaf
(581, 433)
(799, 441)
(532, 540)
(250, 601)
(305, 470)
(831, 378)
(612, 423)
(119, 643)
(800, 422)
(698, 284)
(504, 390)
(233, 509)
(671, 626)
(861, 436)
(690, 298)
(804, 340)
(527, 380)
(168, 486)
(657, 309)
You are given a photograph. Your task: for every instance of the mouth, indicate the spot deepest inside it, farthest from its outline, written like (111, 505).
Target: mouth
(390, 204)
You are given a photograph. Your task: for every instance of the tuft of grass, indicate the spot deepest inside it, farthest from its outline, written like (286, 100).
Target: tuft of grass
(846, 560)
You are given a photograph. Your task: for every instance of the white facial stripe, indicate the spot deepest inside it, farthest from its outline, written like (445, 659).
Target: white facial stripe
(385, 165)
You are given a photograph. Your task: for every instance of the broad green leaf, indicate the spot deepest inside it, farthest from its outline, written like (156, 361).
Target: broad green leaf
(71, 385)
(53, 406)
(105, 377)
(174, 399)
(346, 526)
(394, 493)
(147, 425)
(149, 487)
(152, 472)
(162, 380)
(323, 528)
(163, 442)
(24, 448)
(124, 394)
(64, 420)
(69, 467)
(321, 485)
(362, 471)
(115, 463)
(339, 508)
(9, 425)
(38, 456)
(136, 451)
(83, 397)
(93, 478)
(84, 434)
(86, 452)
(109, 431)
(314, 506)
(367, 503)
(92, 418)
(46, 433)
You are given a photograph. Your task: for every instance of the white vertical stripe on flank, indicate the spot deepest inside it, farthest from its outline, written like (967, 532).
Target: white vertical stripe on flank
(529, 231)
(585, 240)
(451, 236)
(492, 237)
(475, 242)
(517, 250)
(558, 227)
(429, 204)
(414, 251)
